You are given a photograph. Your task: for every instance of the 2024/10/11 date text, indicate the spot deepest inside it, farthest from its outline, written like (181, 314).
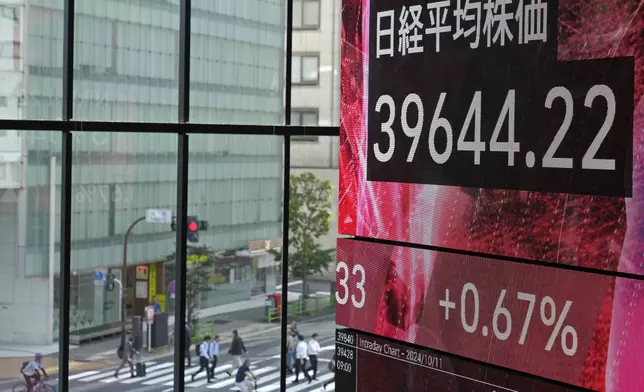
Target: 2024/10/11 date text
(511, 147)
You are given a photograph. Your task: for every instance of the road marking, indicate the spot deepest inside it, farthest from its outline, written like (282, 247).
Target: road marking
(187, 377)
(232, 380)
(105, 374)
(84, 374)
(156, 371)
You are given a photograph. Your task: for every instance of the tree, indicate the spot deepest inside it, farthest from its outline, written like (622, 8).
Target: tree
(200, 261)
(309, 219)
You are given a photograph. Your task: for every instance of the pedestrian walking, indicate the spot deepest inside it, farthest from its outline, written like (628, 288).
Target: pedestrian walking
(188, 343)
(290, 352)
(300, 363)
(214, 355)
(126, 353)
(236, 350)
(313, 350)
(331, 369)
(204, 356)
(245, 377)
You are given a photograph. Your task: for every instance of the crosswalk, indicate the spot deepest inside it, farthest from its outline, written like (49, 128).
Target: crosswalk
(162, 375)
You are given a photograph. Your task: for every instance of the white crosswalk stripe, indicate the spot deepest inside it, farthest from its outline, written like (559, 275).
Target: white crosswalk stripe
(84, 374)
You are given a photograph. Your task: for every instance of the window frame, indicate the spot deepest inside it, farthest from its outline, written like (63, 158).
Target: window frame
(301, 82)
(308, 27)
(65, 127)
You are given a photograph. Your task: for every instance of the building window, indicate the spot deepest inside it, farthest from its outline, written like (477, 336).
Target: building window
(307, 117)
(306, 14)
(306, 69)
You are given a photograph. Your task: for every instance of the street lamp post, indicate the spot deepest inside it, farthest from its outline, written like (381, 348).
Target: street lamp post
(124, 277)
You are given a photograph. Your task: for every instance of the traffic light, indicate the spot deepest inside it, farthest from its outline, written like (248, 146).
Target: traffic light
(193, 229)
(109, 280)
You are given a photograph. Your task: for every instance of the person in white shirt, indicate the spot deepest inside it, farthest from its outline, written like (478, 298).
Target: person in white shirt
(313, 350)
(204, 358)
(301, 351)
(30, 371)
(214, 355)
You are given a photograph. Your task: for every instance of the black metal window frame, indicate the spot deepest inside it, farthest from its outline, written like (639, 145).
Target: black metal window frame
(183, 128)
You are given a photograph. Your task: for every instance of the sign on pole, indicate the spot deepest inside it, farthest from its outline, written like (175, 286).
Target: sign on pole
(99, 278)
(149, 314)
(154, 215)
(172, 288)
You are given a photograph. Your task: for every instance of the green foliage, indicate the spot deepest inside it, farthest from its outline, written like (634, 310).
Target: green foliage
(200, 261)
(309, 219)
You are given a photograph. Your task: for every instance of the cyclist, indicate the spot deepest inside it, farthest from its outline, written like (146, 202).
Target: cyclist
(30, 372)
(244, 378)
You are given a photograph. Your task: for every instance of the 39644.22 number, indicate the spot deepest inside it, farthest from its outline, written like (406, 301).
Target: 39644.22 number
(342, 296)
(473, 118)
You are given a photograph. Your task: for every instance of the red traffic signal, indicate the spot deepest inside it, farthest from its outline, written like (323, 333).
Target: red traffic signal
(193, 226)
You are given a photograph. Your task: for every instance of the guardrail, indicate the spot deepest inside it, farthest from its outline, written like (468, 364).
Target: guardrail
(301, 307)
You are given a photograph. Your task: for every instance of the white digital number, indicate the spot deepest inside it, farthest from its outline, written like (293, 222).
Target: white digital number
(440, 122)
(475, 322)
(511, 147)
(415, 131)
(386, 128)
(549, 159)
(477, 145)
(589, 161)
(342, 300)
(360, 286)
(499, 310)
(343, 283)
(526, 323)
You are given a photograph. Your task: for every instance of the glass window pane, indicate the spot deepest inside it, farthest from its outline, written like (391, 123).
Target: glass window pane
(236, 185)
(295, 118)
(116, 60)
(312, 277)
(311, 14)
(37, 31)
(296, 75)
(309, 118)
(310, 70)
(297, 13)
(241, 45)
(117, 178)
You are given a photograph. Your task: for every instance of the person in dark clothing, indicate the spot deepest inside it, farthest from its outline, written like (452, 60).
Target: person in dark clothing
(188, 343)
(245, 377)
(126, 354)
(204, 358)
(331, 368)
(236, 350)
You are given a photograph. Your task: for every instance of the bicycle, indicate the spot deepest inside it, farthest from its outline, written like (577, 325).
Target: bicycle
(41, 386)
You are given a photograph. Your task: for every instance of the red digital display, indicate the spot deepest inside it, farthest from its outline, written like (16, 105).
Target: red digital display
(550, 322)
(457, 137)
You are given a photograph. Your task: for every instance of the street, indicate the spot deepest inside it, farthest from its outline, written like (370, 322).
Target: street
(263, 350)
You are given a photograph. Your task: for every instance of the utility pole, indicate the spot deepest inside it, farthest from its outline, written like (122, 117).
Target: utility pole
(124, 277)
